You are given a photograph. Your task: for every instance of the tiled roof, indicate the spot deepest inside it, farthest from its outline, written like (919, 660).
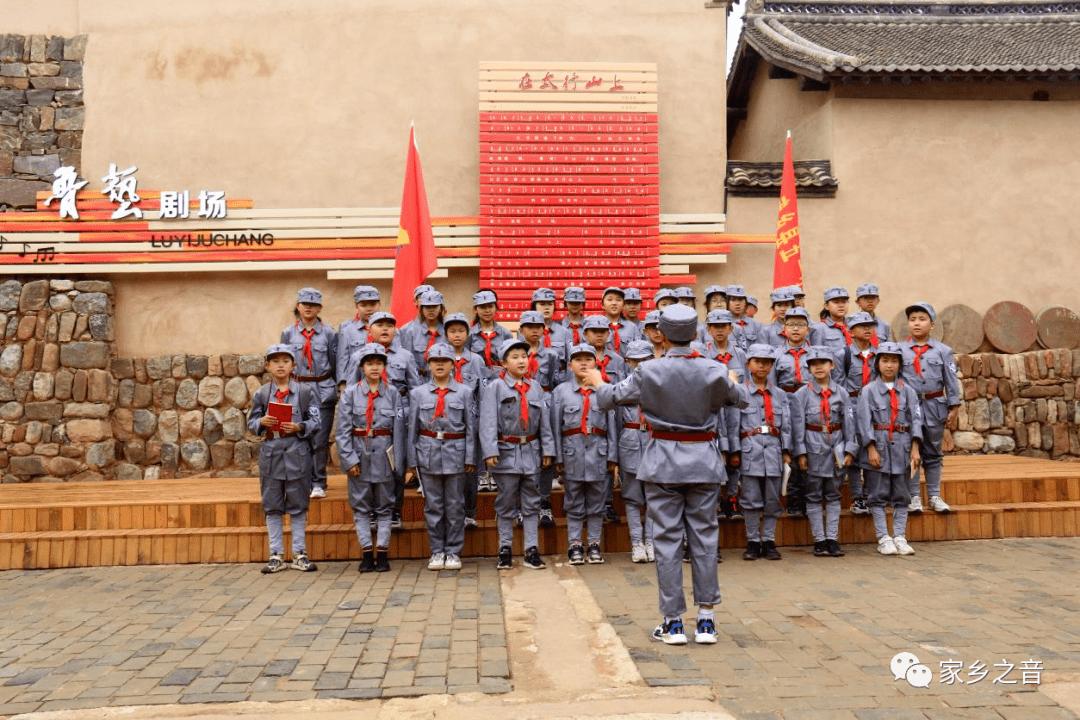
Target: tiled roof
(813, 178)
(830, 40)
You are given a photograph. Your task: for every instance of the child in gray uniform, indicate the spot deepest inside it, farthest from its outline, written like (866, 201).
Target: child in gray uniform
(315, 347)
(632, 434)
(889, 424)
(823, 440)
(442, 446)
(370, 443)
(764, 449)
(285, 462)
(586, 449)
(516, 442)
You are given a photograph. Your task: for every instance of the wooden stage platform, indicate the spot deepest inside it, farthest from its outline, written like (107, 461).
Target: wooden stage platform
(213, 520)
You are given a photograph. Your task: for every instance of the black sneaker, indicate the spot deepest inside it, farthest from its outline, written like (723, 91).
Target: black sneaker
(382, 561)
(505, 563)
(610, 515)
(753, 549)
(368, 563)
(576, 554)
(671, 633)
(796, 510)
(594, 557)
(546, 518)
(834, 548)
(821, 548)
(395, 520)
(736, 511)
(724, 509)
(769, 551)
(532, 559)
(859, 507)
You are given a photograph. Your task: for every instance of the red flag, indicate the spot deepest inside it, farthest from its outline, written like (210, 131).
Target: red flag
(787, 269)
(415, 258)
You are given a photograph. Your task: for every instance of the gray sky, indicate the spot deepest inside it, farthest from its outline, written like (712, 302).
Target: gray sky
(734, 27)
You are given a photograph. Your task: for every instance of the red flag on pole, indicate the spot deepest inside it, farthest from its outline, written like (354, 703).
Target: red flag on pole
(787, 269)
(415, 258)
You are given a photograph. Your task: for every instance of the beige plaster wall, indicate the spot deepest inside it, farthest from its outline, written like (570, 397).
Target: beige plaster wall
(948, 201)
(775, 107)
(300, 105)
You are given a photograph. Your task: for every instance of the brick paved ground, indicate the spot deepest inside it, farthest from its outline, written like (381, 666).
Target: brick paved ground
(812, 637)
(802, 638)
(198, 633)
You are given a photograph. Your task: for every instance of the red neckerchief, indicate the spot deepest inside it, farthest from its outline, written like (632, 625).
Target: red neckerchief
(440, 404)
(488, 337)
(585, 392)
(547, 336)
(894, 404)
(615, 342)
(825, 410)
(919, 350)
(575, 328)
(534, 364)
(602, 363)
(370, 413)
(523, 388)
(797, 353)
(458, 364)
(308, 334)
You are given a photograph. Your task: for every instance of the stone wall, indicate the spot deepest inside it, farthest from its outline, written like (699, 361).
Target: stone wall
(41, 113)
(1023, 404)
(71, 410)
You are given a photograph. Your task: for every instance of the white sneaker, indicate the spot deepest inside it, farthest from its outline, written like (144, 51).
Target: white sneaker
(902, 547)
(915, 506)
(437, 561)
(470, 522)
(318, 491)
(637, 554)
(938, 505)
(649, 554)
(453, 562)
(886, 546)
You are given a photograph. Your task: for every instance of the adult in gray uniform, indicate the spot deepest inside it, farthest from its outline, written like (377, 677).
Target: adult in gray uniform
(682, 465)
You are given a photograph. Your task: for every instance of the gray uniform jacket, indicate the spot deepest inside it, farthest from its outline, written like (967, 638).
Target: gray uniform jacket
(615, 367)
(853, 369)
(584, 457)
(570, 340)
(874, 409)
(677, 395)
(816, 444)
(416, 341)
(500, 415)
(351, 337)
(442, 456)
(628, 332)
(938, 374)
(761, 454)
(883, 330)
(370, 452)
(324, 349)
(746, 332)
(401, 370)
(783, 372)
(830, 335)
(733, 357)
(288, 457)
(547, 367)
(632, 438)
(472, 371)
(479, 345)
(771, 333)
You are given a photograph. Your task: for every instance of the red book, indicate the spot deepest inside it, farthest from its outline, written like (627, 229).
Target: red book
(282, 412)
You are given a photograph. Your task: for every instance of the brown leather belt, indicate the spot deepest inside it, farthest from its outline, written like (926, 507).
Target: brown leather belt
(312, 378)
(789, 388)
(683, 437)
(588, 431)
(854, 393)
(440, 435)
(893, 428)
(763, 430)
(517, 439)
(363, 432)
(823, 428)
(932, 395)
(632, 426)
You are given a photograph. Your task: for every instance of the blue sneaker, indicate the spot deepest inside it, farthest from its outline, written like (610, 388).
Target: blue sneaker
(670, 633)
(706, 632)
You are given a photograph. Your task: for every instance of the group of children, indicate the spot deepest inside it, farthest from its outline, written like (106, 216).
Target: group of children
(455, 405)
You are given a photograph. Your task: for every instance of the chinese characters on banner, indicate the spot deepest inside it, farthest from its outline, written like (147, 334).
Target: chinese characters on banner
(787, 267)
(570, 83)
(120, 188)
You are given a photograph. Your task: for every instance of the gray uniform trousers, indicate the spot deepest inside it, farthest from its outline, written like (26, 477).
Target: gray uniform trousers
(760, 500)
(515, 489)
(633, 494)
(888, 488)
(583, 499)
(367, 498)
(444, 511)
(935, 411)
(668, 506)
(827, 488)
